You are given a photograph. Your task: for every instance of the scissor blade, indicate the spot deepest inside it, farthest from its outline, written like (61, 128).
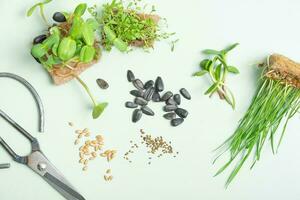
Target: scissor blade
(62, 188)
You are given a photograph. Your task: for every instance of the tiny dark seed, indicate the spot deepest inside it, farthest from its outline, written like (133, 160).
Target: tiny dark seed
(59, 17)
(140, 101)
(136, 115)
(130, 104)
(39, 39)
(148, 93)
(137, 93)
(169, 108)
(171, 101)
(181, 112)
(138, 84)
(177, 99)
(102, 83)
(149, 84)
(185, 93)
(166, 96)
(147, 111)
(177, 121)
(159, 84)
(156, 97)
(169, 116)
(130, 76)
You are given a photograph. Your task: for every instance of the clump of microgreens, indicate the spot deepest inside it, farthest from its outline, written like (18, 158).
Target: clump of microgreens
(122, 25)
(73, 41)
(273, 102)
(217, 68)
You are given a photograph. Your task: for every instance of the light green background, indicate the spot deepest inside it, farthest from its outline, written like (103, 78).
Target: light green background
(261, 26)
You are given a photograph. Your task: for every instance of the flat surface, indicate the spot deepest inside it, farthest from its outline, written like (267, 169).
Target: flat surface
(261, 26)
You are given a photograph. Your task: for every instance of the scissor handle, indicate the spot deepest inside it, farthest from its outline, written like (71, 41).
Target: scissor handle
(16, 157)
(33, 141)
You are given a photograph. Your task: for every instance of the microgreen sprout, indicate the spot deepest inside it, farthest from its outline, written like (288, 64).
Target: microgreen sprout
(39, 5)
(217, 68)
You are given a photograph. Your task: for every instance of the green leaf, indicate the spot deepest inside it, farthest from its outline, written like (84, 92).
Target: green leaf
(212, 88)
(226, 50)
(200, 73)
(98, 109)
(204, 64)
(80, 9)
(38, 50)
(211, 52)
(75, 31)
(233, 69)
(92, 23)
(87, 54)
(88, 34)
(66, 48)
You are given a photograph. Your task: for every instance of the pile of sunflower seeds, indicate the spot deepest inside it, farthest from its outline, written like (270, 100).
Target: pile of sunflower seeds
(151, 91)
(156, 147)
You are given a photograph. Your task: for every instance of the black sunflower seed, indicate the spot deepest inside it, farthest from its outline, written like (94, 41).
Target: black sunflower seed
(181, 112)
(177, 121)
(102, 83)
(130, 76)
(166, 96)
(147, 111)
(185, 93)
(136, 115)
(138, 84)
(159, 84)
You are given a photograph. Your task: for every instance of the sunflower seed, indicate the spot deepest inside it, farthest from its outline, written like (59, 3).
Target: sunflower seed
(185, 93)
(137, 93)
(156, 97)
(167, 96)
(130, 104)
(149, 84)
(177, 121)
(169, 116)
(102, 83)
(147, 111)
(177, 99)
(130, 76)
(140, 101)
(138, 84)
(159, 84)
(136, 115)
(181, 112)
(169, 108)
(148, 93)
(171, 101)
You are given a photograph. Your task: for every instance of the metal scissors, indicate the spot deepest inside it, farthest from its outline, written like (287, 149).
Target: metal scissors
(39, 163)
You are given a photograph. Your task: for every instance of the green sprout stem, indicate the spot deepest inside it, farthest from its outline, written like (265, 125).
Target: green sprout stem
(86, 89)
